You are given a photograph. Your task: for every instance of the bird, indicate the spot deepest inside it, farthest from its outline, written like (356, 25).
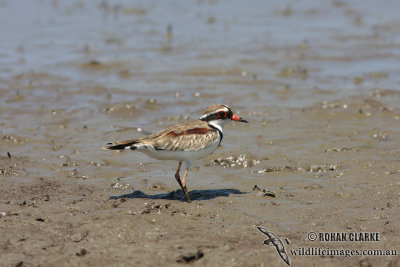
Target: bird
(184, 142)
(273, 240)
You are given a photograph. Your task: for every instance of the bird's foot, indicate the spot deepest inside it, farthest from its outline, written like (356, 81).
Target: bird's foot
(188, 199)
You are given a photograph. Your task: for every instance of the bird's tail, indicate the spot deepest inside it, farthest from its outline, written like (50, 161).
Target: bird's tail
(120, 145)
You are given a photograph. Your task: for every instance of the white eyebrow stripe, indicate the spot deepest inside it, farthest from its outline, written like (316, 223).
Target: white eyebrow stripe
(214, 112)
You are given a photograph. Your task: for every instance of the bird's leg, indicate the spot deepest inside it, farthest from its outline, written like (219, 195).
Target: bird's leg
(183, 182)
(177, 177)
(184, 186)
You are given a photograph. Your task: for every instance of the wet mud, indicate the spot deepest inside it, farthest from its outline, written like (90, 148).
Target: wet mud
(318, 82)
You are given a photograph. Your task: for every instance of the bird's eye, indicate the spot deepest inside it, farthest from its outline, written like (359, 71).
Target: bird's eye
(222, 114)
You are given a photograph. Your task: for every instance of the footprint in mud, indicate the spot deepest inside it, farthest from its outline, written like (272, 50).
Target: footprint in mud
(190, 257)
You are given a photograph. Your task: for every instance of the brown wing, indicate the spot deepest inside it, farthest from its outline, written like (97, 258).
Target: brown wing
(192, 135)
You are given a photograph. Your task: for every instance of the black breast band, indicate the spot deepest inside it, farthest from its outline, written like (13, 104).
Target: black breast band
(219, 131)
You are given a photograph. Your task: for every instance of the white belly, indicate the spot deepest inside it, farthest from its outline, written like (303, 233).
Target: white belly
(188, 156)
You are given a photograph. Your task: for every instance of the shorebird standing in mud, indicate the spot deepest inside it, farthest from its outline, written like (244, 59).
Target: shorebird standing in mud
(184, 142)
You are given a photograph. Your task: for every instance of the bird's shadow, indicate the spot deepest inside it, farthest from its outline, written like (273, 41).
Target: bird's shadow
(179, 195)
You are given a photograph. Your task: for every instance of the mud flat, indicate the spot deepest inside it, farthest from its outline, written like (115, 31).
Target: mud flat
(320, 154)
(61, 208)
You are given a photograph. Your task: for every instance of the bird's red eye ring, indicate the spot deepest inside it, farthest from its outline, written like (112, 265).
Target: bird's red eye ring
(222, 114)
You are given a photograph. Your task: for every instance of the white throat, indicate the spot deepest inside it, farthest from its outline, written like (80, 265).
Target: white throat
(219, 124)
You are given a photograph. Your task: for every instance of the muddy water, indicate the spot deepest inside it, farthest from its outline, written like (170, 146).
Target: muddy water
(317, 80)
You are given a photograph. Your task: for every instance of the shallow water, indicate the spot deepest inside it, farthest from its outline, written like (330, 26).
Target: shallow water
(318, 81)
